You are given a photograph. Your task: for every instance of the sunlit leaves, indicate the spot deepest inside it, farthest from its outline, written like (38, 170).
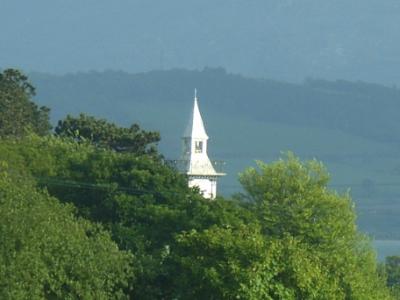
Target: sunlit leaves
(46, 252)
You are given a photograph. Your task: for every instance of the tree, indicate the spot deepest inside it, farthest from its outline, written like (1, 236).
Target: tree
(143, 202)
(18, 113)
(46, 252)
(291, 199)
(392, 269)
(241, 263)
(287, 237)
(104, 134)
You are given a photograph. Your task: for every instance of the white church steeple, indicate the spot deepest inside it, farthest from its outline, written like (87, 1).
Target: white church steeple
(198, 167)
(195, 128)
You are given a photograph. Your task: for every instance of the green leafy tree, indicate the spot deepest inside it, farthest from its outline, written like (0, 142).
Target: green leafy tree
(241, 263)
(392, 265)
(46, 252)
(18, 113)
(157, 227)
(104, 134)
(287, 237)
(292, 199)
(392, 269)
(301, 244)
(143, 202)
(135, 196)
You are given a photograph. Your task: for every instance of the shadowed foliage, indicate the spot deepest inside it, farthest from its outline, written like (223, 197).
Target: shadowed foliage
(18, 113)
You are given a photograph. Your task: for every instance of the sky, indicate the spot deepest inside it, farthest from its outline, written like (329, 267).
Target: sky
(281, 39)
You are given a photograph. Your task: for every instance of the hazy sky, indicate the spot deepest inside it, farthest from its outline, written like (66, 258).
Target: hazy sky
(282, 39)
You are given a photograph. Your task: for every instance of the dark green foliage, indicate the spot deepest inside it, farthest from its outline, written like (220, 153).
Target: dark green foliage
(291, 239)
(393, 270)
(48, 253)
(143, 202)
(104, 134)
(18, 113)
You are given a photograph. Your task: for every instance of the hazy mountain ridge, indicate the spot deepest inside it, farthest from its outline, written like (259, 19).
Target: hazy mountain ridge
(289, 40)
(339, 105)
(351, 126)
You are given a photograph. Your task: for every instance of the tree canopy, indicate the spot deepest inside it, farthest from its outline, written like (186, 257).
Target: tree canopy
(18, 112)
(392, 272)
(104, 134)
(287, 237)
(46, 252)
(93, 212)
(302, 243)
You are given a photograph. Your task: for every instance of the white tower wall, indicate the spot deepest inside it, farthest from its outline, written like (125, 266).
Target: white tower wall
(207, 187)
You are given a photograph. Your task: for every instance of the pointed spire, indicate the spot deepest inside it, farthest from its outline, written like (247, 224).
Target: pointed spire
(195, 128)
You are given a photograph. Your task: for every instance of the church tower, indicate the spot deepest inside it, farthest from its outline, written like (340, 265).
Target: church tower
(197, 166)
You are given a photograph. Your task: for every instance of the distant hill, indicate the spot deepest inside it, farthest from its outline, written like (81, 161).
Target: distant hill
(283, 39)
(353, 127)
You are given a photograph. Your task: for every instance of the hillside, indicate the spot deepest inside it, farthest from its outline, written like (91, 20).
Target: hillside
(351, 126)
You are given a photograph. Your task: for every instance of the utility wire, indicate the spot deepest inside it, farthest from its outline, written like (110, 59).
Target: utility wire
(117, 187)
(95, 186)
(105, 186)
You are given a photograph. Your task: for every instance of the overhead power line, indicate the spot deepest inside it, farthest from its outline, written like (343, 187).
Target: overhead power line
(48, 181)
(56, 181)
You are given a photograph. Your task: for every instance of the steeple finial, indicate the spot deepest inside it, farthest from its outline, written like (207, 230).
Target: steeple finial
(195, 93)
